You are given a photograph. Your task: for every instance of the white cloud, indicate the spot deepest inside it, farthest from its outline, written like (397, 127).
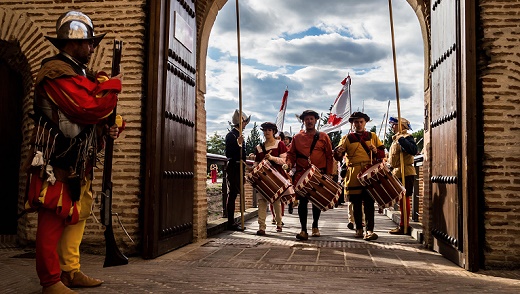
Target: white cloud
(309, 47)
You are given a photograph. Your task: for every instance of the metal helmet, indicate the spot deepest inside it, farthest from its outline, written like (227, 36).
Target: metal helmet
(74, 25)
(235, 120)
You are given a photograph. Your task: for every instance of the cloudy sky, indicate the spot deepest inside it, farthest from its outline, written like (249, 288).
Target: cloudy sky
(310, 47)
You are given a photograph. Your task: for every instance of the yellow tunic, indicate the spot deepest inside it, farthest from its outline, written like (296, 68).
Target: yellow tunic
(394, 158)
(358, 158)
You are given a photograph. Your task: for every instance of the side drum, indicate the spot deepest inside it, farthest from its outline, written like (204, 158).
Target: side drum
(268, 181)
(382, 185)
(321, 190)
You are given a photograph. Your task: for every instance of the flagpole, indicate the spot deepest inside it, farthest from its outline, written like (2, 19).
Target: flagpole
(399, 128)
(283, 117)
(242, 196)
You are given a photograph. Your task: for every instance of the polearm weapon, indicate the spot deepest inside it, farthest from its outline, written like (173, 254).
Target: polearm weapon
(386, 122)
(113, 256)
(399, 128)
(242, 196)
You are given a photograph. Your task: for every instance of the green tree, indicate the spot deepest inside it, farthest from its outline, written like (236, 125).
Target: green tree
(388, 138)
(216, 144)
(253, 140)
(419, 136)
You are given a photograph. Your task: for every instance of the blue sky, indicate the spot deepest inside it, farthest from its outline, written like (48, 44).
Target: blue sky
(310, 47)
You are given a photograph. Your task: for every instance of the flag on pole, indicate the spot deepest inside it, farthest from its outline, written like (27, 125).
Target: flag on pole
(281, 114)
(340, 111)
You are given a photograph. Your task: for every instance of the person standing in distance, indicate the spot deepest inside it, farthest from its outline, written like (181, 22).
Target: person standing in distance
(234, 142)
(403, 143)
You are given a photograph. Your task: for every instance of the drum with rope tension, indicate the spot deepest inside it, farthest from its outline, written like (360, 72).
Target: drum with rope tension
(321, 190)
(268, 181)
(381, 184)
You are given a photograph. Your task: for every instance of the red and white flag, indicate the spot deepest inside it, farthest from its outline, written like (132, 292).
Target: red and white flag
(340, 111)
(281, 114)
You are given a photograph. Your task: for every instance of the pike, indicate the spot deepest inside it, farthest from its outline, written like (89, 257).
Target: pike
(113, 256)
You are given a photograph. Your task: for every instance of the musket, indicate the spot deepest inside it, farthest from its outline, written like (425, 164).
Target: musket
(113, 256)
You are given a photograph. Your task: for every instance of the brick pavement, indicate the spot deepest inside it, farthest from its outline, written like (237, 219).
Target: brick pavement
(242, 262)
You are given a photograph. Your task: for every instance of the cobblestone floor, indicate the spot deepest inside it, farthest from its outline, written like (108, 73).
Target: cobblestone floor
(242, 262)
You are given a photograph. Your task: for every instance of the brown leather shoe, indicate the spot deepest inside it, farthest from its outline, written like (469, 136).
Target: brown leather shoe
(370, 237)
(400, 231)
(58, 288)
(315, 232)
(78, 279)
(303, 236)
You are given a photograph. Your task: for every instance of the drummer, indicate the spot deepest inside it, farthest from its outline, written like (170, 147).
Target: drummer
(275, 151)
(309, 145)
(362, 148)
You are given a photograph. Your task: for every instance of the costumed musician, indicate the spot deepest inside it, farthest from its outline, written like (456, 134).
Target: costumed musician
(309, 147)
(275, 151)
(362, 148)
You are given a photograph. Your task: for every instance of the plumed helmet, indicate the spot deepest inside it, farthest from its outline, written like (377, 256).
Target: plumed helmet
(235, 121)
(358, 114)
(74, 25)
(404, 122)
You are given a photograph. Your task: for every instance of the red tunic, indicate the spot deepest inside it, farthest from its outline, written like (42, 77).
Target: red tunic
(300, 148)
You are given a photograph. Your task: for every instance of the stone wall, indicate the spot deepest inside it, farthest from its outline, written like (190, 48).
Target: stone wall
(28, 22)
(499, 74)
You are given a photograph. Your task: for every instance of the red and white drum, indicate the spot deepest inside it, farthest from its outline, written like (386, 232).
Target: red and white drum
(268, 181)
(382, 185)
(321, 190)
(288, 196)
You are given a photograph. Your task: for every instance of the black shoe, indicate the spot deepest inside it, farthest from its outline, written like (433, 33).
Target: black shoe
(290, 209)
(350, 226)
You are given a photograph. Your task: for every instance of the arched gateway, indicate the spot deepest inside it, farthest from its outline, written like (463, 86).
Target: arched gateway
(472, 121)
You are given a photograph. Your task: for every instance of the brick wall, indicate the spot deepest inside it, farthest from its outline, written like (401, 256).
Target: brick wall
(27, 23)
(499, 73)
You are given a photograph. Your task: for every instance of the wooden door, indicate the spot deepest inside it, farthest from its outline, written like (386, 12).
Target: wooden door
(450, 148)
(11, 98)
(169, 212)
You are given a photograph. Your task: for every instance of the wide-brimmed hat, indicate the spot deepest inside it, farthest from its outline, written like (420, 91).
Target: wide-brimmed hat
(269, 126)
(235, 121)
(287, 134)
(357, 115)
(74, 25)
(404, 122)
(309, 112)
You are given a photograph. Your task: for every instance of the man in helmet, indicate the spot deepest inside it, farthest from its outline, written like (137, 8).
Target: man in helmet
(404, 143)
(70, 108)
(234, 141)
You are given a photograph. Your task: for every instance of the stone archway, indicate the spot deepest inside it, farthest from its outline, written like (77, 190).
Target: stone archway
(206, 15)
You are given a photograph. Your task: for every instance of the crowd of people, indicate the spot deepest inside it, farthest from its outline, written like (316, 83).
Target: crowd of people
(310, 150)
